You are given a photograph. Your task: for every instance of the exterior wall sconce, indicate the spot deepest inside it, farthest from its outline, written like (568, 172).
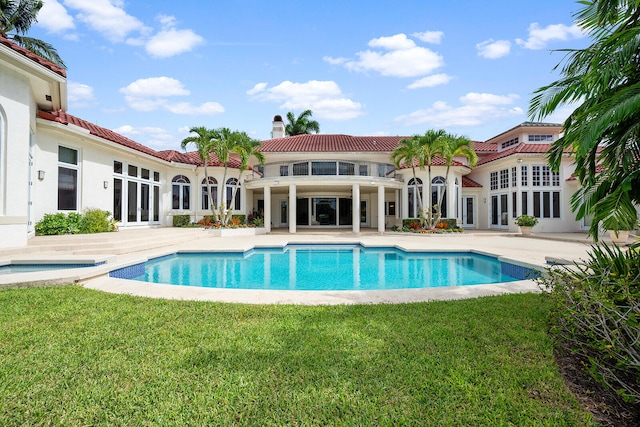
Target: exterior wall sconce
(40, 175)
(105, 184)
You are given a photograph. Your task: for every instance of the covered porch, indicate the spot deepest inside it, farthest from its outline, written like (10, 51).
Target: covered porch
(352, 203)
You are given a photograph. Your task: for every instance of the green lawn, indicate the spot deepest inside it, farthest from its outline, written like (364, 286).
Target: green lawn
(72, 356)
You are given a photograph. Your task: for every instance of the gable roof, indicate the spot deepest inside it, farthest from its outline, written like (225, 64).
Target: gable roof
(32, 56)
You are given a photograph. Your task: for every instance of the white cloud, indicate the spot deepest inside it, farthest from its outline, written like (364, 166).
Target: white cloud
(155, 87)
(434, 37)
(334, 61)
(207, 109)
(154, 137)
(172, 42)
(107, 17)
(259, 87)
(324, 98)
(476, 109)
(475, 98)
(169, 41)
(431, 81)
(54, 17)
(79, 95)
(396, 56)
(539, 37)
(494, 49)
(397, 42)
(151, 94)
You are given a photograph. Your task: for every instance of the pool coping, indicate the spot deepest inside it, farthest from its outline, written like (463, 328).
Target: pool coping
(307, 297)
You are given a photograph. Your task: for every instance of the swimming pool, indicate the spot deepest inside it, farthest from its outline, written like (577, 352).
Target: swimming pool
(32, 268)
(324, 267)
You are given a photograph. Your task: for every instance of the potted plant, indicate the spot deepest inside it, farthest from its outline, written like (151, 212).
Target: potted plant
(526, 223)
(619, 226)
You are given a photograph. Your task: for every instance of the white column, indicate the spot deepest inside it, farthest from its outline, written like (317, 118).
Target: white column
(355, 207)
(381, 217)
(292, 208)
(267, 209)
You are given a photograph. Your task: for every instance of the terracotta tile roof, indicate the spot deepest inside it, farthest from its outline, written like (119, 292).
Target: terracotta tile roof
(190, 158)
(469, 183)
(521, 148)
(95, 130)
(482, 147)
(27, 53)
(331, 143)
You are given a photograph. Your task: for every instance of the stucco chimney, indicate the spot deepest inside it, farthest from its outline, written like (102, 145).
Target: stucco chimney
(277, 130)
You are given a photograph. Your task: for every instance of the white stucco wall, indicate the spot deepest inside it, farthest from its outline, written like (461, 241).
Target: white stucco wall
(16, 110)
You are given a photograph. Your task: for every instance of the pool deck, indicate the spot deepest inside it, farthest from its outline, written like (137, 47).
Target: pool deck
(129, 247)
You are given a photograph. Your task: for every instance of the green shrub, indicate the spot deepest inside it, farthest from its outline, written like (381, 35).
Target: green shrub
(406, 222)
(181, 220)
(95, 221)
(596, 315)
(53, 224)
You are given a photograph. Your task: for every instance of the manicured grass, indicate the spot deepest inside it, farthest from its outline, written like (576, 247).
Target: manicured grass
(72, 356)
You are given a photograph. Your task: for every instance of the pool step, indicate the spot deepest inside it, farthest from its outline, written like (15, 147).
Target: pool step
(124, 241)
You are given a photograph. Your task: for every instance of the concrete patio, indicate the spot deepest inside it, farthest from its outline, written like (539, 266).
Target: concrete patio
(132, 246)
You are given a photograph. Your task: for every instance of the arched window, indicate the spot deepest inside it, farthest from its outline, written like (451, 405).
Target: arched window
(231, 186)
(414, 186)
(180, 191)
(213, 187)
(439, 190)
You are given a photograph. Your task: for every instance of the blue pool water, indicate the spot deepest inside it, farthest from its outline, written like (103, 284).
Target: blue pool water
(325, 267)
(31, 268)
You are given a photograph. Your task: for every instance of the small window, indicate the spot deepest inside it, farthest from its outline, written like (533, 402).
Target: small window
(145, 173)
(363, 170)
(67, 179)
(156, 176)
(284, 170)
(132, 170)
(300, 169)
(390, 208)
(67, 155)
(117, 167)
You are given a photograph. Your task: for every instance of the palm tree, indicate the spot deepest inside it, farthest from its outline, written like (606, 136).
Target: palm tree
(17, 16)
(302, 124)
(222, 146)
(603, 133)
(203, 141)
(422, 149)
(430, 148)
(246, 148)
(406, 153)
(454, 146)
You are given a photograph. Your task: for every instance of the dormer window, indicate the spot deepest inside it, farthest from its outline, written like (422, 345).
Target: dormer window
(509, 143)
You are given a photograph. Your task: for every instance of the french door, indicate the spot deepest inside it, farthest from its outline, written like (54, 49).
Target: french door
(469, 211)
(500, 211)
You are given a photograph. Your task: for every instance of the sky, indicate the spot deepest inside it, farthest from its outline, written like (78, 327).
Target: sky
(150, 70)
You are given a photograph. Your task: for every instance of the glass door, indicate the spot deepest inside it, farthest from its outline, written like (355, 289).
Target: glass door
(499, 211)
(468, 211)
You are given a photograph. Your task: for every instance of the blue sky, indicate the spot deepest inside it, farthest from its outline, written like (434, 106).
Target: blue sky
(151, 69)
